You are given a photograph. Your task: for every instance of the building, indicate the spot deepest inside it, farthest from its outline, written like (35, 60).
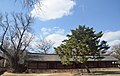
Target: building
(52, 61)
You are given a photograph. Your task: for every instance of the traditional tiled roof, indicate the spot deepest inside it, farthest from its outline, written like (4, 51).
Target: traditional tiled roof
(55, 57)
(103, 58)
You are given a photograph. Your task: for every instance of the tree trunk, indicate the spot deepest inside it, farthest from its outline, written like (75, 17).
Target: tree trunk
(86, 67)
(14, 65)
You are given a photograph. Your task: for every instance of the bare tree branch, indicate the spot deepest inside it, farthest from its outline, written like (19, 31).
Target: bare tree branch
(5, 28)
(27, 44)
(44, 45)
(14, 39)
(116, 51)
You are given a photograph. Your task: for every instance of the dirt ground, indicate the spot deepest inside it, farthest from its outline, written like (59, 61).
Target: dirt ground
(95, 72)
(51, 74)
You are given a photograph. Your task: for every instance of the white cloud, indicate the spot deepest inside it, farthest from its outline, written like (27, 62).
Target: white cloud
(108, 36)
(52, 9)
(55, 34)
(59, 30)
(56, 38)
(55, 30)
(114, 42)
(45, 31)
(113, 38)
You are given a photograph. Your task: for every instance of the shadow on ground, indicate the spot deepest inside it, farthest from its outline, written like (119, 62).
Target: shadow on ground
(98, 73)
(106, 72)
(2, 70)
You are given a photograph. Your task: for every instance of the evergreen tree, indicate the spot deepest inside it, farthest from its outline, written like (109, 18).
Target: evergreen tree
(80, 45)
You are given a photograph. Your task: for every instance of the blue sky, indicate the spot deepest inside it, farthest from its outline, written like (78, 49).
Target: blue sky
(58, 17)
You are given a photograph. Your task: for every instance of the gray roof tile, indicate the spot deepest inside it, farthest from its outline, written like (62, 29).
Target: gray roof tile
(54, 57)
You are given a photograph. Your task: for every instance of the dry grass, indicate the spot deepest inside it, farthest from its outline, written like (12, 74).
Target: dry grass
(95, 72)
(51, 74)
(107, 72)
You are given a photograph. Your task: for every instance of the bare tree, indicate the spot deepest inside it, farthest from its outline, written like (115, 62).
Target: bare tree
(15, 37)
(44, 45)
(29, 3)
(116, 51)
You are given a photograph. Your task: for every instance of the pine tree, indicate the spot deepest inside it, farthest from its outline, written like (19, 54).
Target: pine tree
(80, 45)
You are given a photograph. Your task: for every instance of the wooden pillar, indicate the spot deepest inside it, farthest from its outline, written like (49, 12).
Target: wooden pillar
(48, 65)
(37, 65)
(55, 65)
(4, 62)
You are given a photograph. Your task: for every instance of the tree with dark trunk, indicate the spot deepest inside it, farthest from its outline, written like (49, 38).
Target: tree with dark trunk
(81, 44)
(15, 38)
